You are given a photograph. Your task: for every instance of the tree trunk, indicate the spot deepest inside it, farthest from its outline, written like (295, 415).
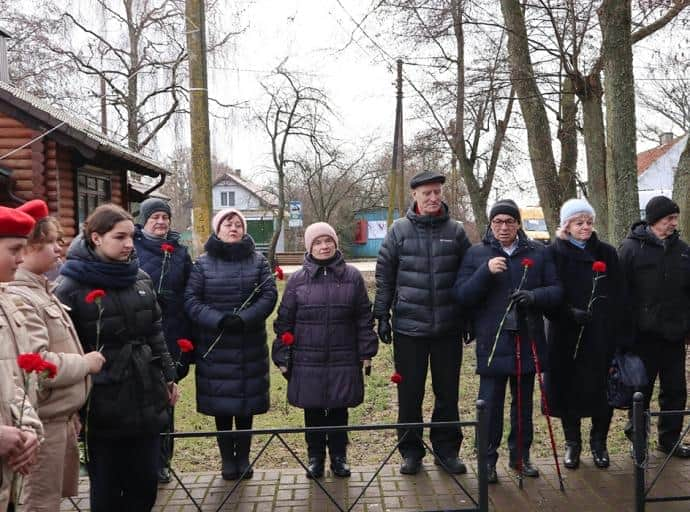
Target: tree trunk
(621, 151)
(278, 224)
(590, 93)
(567, 135)
(681, 190)
(533, 112)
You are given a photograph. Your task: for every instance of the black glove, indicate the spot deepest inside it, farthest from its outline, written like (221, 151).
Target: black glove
(523, 298)
(232, 323)
(580, 316)
(385, 330)
(286, 375)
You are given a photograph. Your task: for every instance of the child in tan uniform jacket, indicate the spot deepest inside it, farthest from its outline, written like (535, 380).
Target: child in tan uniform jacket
(52, 335)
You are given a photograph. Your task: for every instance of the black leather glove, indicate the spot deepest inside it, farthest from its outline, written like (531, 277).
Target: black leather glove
(232, 323)
(384, 330)
(523, 298)
(580, 316)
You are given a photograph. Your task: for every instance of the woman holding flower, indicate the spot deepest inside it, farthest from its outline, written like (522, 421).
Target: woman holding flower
(506, 281)
(583, 331)
(52, 335)
(167, 262)
(230, 293)
(327, 312)
(129, 401)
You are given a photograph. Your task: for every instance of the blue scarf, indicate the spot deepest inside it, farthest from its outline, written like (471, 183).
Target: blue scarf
(577, 243)
(102, 274)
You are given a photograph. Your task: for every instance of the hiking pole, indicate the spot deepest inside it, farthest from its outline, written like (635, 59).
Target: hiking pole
(545, 403)
(518, 369)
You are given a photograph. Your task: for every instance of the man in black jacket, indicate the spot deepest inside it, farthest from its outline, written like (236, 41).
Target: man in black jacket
(415, 272)
(656, 265)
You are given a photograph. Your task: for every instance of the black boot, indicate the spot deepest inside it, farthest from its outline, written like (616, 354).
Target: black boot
(227, 454)
(572, 455)
(315, 467)
(242, 445)
(339, 466)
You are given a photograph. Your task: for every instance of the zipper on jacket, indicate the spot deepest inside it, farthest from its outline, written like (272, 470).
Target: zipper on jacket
(433, 279)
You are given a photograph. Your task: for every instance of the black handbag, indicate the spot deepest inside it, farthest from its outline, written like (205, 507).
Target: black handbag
(626, 374)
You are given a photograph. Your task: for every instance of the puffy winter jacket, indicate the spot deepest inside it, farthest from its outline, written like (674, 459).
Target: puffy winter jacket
(232, 380)
(415, 271)
(129, 395)
(328, 311)
(170, 291)
(658, 277)
(488, 294)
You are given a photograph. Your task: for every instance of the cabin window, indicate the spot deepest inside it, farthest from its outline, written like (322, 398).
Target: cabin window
(92, 191)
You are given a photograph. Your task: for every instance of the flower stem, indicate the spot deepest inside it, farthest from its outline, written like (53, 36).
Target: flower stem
(589, 310)
(505, 315)
(215, 342)
(160, 279)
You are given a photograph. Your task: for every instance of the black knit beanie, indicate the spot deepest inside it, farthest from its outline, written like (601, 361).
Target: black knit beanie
(659, 207)
(151, 206)
(505, 207)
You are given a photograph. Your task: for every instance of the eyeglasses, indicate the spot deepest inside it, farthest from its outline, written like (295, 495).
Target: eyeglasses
(508, 222)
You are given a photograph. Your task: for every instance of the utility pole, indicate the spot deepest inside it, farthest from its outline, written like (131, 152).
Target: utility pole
(104, 109)
(396, 183)
(201, 139)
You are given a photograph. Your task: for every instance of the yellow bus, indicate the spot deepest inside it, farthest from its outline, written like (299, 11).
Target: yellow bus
(533, 223)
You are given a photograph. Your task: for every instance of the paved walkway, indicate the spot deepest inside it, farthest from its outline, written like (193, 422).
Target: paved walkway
(587, 489)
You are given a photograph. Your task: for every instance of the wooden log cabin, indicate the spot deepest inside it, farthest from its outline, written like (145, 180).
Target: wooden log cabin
(48, 154)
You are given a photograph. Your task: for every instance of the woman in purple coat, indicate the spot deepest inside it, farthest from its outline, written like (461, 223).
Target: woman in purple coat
(327, 310)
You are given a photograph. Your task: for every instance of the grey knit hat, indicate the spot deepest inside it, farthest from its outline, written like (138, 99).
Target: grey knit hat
(151, 206)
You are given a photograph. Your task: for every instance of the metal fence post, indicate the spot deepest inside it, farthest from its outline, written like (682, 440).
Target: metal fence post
(482, 448)
(639, 448)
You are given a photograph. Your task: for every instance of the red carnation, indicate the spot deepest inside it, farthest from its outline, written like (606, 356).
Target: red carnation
(527, 262)
(167, 248)
(599, 266)
(396, 378)
(287, 338)
(279, 273)
(185, 345)
(30, 362)
(94, 296)
(48, 369)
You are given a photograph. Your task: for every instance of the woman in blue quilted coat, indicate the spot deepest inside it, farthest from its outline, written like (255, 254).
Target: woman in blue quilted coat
(232, 382)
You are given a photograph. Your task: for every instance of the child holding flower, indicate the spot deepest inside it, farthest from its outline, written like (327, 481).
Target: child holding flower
(52, 335)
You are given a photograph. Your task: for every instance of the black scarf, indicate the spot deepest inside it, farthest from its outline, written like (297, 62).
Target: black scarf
(239, 250)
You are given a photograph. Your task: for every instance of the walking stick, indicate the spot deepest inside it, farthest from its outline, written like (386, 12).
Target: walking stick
(518, 368)
(545, 403)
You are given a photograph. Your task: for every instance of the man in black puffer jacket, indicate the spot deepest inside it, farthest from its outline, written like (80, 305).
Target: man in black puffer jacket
(656, 266)
(415, 272)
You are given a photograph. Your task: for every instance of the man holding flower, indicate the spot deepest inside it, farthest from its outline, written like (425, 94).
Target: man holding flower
(415, 272)
(507, 280)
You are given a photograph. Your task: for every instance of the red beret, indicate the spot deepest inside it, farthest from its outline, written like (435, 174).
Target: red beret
(14, 223)
(37, 208)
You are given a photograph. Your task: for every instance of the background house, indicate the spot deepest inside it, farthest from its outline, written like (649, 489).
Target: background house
(258, 206)
(48, 154)
(656, 168)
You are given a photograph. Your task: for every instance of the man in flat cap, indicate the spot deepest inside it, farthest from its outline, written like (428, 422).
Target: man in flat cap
(415, 271)
(656, 267)
(18, 443)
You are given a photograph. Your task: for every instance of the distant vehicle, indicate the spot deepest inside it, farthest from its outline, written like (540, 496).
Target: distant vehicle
(533, 223)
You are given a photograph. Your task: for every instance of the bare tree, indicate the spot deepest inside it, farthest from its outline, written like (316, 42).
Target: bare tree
(681, 189)
(294, 115)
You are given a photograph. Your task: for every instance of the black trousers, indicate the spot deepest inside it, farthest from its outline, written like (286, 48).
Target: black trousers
(597, 435)
(413, 356)
(123, 473)
(667, 361)
(317, 441)
(167, 442)
(234, 447)
(492, 389)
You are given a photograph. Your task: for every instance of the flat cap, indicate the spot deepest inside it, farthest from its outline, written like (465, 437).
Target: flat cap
(14, 223)
(426, 177)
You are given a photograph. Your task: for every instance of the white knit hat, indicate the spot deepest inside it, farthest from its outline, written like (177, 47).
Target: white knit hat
(316, 230)
(219, 217)
(574, 207)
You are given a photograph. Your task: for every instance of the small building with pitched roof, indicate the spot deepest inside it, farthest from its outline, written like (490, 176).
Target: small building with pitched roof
(656, 168)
